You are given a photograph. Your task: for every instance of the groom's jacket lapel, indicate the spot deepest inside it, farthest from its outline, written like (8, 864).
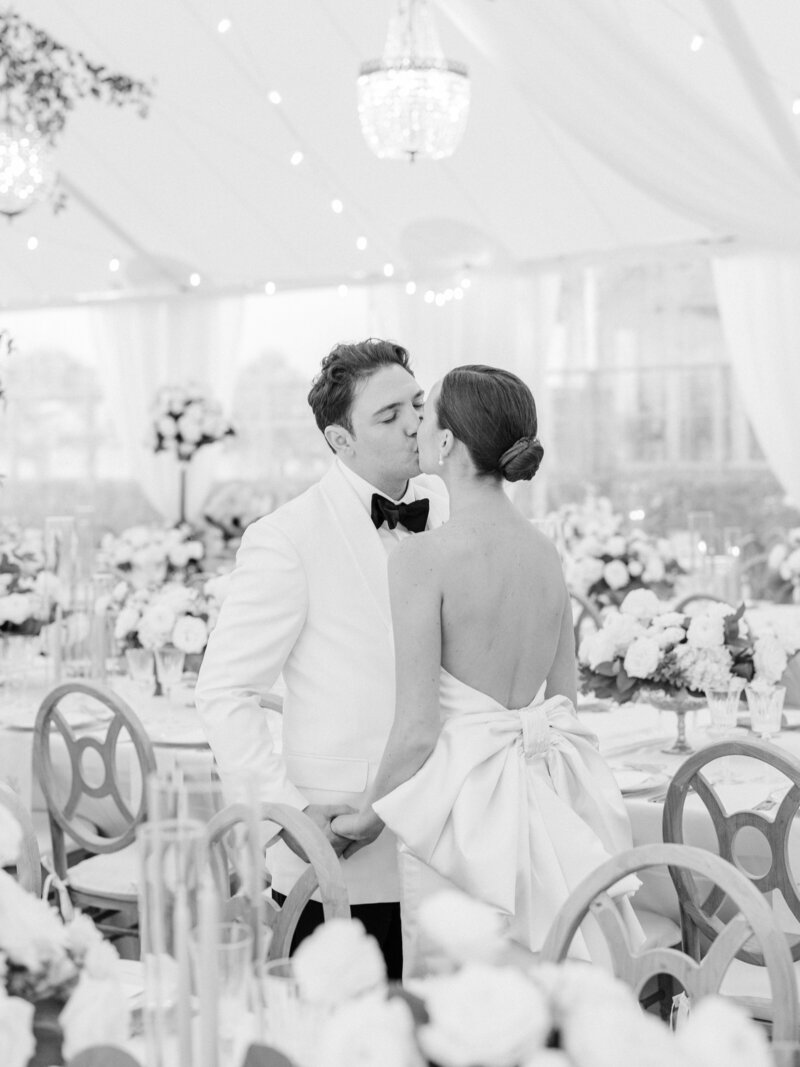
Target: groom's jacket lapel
(354, 525)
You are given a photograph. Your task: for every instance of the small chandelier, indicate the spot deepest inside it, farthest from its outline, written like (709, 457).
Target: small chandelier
(413, 103)
(27, 170)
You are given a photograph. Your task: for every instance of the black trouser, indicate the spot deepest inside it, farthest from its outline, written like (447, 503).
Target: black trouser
(380, 920)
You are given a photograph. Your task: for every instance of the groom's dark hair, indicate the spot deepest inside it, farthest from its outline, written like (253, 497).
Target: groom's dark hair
(334, 388)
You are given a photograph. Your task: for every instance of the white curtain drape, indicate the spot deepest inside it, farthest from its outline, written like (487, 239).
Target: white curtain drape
(576, 64)
(148, 344)
(758, 302)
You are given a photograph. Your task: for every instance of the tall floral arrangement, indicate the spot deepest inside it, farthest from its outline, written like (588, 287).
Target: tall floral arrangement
(28, 593)
(783, 567)
(605, 562)
(647, 646)
(185, 420)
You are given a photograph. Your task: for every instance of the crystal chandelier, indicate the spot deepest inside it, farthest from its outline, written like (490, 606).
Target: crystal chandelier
(413, 103)
(27, 171)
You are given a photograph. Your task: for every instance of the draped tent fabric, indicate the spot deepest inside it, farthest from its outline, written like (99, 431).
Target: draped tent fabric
(758, 303)
(146, 345)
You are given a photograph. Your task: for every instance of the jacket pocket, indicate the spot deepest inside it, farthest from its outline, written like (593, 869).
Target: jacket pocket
(324, 772)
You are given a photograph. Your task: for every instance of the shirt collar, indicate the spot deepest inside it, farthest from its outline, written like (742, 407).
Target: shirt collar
(364, 490)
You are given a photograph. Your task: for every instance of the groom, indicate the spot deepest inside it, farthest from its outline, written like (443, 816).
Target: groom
(309, 597)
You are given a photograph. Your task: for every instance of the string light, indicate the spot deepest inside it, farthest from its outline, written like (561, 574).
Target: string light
(337, 207)
(224, 25)
(361, 243)
(388, 269)
(269, 288)
(33, 244)
(113, 264)
(274, 97)
(194, 279)
(411, 288)
(342, 290)
(296, 158)
(697, 42)
(465, 283)
(458, 293)
(439, 301)
(430, 296)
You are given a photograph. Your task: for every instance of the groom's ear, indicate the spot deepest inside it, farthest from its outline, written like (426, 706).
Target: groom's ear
(340, 439)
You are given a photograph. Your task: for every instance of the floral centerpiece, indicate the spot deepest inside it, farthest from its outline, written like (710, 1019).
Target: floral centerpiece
(645, 646)
(231, 508)
(148, 556)
(783, 568)
(605, 563)
(174, 614)
(28, 593)
(47, 962)
(185, 420)
(482, 1012)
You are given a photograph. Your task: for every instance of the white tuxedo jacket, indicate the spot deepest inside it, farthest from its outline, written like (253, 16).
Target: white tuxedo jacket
(309, 597)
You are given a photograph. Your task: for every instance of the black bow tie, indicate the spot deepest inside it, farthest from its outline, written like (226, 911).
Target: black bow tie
(413, 516)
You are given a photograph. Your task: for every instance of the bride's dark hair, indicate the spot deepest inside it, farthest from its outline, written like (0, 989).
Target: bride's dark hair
(493, 412)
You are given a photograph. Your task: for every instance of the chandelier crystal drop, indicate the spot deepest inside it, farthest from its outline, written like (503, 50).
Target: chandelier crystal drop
(27, 170)
(413, 103)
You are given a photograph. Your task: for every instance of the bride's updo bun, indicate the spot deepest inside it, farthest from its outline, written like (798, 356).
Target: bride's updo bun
(521, 461)
(493, 413)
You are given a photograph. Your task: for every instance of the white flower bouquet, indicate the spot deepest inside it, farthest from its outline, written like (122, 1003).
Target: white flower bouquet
(783, 568)
(604, 563)
(28, 593)
(232, 507)
(647, 646)
(175, 614)
(185, 420)
(148, 556)
(566, 1015)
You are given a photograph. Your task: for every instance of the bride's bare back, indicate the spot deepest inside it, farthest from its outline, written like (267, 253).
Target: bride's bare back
(487, 592)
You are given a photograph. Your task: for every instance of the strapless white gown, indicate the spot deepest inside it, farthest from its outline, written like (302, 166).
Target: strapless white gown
(515, 808)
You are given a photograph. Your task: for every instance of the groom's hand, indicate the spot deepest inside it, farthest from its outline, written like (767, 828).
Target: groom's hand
(322, 815)
(360, 830)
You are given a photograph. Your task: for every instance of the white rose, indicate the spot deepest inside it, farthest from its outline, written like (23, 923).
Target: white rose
(706, 668)
(719, 1033)
(127, 621)
(159, 617)
(340, 960)
(616, 546)
(616, 574)
(166, 427)
(620, 1034)
(597, 648)
(705, 631)
(465, 929)
(622, 629)
(138, 535)
(31, 933)
(670, 636)
(370, 1032)
(642, 604)
(769, 659)
(654, 570)
(190, 634)
(190, 430)
(121, 554)
(642, 658)
(492, 1016)
(16, 1030)
(634, 568)
(195, 549)
(16, 608)
(178, 555)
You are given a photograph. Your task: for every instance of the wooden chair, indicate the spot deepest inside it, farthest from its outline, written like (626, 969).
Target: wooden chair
(29, 863)
(324, 872)
(701, 912)
(586, 616)
(754, 919)
(106, 884)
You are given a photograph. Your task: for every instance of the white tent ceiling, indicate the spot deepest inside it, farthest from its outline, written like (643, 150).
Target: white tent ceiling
(205, 184)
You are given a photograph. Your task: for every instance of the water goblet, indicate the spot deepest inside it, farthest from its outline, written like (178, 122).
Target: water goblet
(766, 707)
(169, 667)
(723, 703)
(139, 662)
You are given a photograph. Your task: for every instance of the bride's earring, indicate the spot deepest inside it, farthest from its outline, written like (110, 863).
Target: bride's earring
(441, 460)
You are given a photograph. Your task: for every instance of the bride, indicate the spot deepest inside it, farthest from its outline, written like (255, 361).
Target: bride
(488, 779)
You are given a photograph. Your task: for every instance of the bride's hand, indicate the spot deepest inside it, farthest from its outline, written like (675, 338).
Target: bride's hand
(362, 828)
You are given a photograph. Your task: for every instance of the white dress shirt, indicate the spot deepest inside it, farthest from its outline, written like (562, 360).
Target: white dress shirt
(389, 538)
